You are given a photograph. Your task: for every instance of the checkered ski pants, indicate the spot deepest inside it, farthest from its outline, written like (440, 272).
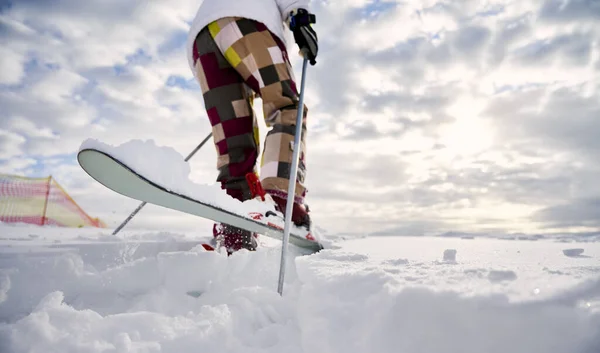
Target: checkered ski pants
(236, 58)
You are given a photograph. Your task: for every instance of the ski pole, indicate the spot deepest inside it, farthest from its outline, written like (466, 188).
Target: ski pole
(139, 208)
(292, 182)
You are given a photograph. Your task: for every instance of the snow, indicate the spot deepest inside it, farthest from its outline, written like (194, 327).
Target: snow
(573, 252)
(83, 290)
(450, 255)
(499, 276)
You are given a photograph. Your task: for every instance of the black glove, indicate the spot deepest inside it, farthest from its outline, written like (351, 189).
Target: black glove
(300, 23)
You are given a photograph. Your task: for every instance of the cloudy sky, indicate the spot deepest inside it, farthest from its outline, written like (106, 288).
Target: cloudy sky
(426, 116)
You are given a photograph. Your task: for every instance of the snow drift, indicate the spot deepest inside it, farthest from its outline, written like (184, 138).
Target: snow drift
(87, 294)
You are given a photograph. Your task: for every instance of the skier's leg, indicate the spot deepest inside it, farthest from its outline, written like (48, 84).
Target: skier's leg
(260, 57)
(228, 102)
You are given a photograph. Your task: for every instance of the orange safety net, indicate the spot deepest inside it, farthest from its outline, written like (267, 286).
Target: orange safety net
(40, 201)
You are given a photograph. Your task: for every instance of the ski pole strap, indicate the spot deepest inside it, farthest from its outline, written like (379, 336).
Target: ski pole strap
(301, 17)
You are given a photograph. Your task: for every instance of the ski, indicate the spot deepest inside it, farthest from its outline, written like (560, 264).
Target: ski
(123, 179)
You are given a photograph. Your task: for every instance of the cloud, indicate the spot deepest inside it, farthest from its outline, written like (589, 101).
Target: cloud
(571, 10)
(11, 67)
(10, 143)
(579, 213)
(28, 128)
(573, 49)
(80, 30)
(470, 40)
(15, 165)
(563, 120)
(424, 116)
(57, 86)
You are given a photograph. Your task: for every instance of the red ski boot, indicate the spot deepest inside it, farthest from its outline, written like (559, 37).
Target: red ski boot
(300, 216)
(233, 238)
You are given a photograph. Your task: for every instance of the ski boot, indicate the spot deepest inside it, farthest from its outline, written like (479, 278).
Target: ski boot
(233, 238)
(300, 216)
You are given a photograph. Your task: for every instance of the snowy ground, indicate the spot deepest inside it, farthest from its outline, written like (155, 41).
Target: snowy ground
(86, 291)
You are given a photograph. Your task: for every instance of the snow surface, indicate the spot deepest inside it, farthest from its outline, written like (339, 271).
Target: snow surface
(84, 290)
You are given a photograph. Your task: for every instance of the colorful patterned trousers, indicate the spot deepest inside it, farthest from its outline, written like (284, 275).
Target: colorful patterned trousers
(236, 59)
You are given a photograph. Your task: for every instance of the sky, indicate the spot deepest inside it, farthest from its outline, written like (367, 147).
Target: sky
(425, 116)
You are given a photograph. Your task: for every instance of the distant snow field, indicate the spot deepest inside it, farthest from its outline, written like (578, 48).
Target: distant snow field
(84, 290)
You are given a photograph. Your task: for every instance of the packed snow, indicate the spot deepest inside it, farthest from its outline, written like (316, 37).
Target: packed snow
(84, 290)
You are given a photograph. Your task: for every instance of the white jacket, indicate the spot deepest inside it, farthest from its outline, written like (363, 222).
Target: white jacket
(272, 13)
